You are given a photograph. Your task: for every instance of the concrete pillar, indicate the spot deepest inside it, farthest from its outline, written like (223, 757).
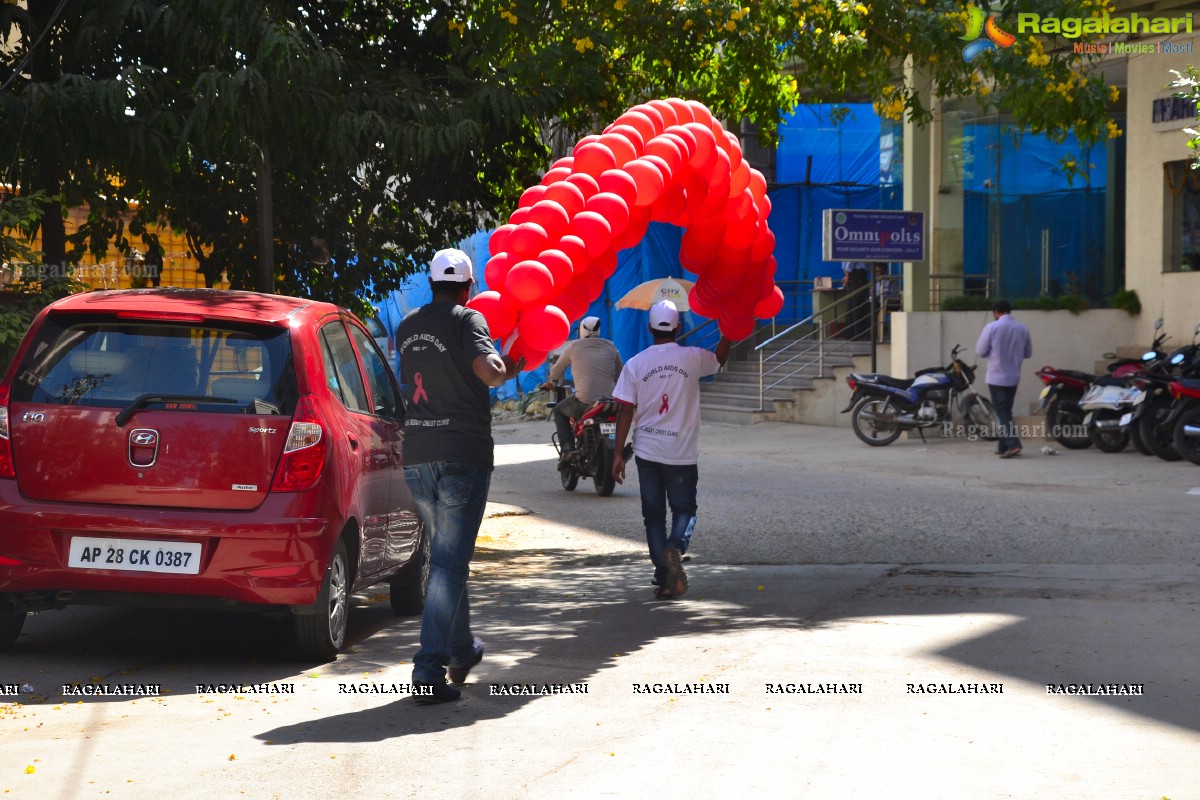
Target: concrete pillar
(919, 165)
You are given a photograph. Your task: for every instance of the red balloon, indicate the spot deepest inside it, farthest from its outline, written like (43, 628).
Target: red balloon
(663, 167)
(689, 139)
(567, 195)
(572, 300)
(699, 307)
(594, 230)
(533, 358)
(670, 205)
(706, 236)
(591, 137)
(529, 283)
(566, 161)
(496, 270)
(666, 110)
(649, 180)
(555, 175)
(574, 249)
(606, 264)
(518, 216)
(551, 216)
(655, 118)
(742, 235)
(695, 189)
(529, 238)
(592, 284)
(544, 327)
(585, 183)
(770, 305)
(498, 310)
(696, 255)
(758, 186)
(593, 158)
(632, 134)
(700, 112)
(639, 122)
(639, 222)
(498, 241)
(622, 149)
(739, 180)
(735, 150)
(706, 146)
(683, 112)
(721, 171)
(531, 196)
(619, 182)
(764, 246)
(612, 208)
(736, 324)
(667, 150)
(560, 266)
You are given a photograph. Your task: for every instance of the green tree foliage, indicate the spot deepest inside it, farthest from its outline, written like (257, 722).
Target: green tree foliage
(383, 131)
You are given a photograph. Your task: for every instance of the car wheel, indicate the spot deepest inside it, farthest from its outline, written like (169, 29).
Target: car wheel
(877, 428)
(320, 633)
(604, 480)
(11, 623)
(409, 585)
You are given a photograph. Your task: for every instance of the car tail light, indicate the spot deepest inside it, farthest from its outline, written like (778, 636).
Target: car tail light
(7, 469)
(304, 452)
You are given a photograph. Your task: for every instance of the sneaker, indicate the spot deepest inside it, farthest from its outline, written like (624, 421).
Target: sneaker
(676, 583)
(435, 693)
(458, 674)
(1013, 453)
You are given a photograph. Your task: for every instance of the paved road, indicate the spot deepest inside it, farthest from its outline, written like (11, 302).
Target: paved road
(854, 612)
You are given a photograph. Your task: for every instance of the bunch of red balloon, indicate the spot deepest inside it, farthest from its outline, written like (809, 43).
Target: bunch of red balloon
(663, 161)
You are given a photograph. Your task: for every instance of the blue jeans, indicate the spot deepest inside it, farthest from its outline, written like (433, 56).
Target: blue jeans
(663, 484)
(1003, 398)
(450, 499)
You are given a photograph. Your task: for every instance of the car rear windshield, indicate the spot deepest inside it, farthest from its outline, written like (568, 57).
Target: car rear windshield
(102, 361)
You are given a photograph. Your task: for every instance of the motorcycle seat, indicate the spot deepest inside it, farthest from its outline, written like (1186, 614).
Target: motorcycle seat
(1189, 383)
(885, 380)
(1080, 375)
(1105, 380)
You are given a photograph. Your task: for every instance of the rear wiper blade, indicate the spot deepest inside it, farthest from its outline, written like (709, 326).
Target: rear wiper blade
(144, 400)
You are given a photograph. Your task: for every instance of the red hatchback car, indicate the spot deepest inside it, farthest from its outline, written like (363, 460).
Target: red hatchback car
(204, 448)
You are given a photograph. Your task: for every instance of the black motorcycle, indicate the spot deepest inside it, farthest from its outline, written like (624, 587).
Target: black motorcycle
(884, 407)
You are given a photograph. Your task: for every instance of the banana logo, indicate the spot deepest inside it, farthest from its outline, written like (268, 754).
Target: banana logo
(976, 28)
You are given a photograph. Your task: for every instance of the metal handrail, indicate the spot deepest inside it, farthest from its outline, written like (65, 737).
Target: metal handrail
(817, 320)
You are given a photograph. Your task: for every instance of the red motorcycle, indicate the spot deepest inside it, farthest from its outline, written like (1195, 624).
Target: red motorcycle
(1060, 403)
(595, 440)
(1184, 418)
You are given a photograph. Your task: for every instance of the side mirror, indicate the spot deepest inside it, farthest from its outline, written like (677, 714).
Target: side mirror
(1158, 323)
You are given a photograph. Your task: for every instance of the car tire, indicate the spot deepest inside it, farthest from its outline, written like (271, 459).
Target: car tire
(409, 585)
(320, 633)
(11, 623)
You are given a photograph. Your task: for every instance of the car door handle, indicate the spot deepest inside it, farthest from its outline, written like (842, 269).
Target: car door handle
(353, 442)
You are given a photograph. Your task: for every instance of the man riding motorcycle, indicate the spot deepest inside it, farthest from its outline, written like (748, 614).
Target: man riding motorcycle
(595, 365)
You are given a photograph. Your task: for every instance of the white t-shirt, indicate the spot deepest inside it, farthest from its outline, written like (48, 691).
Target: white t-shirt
(663, 381)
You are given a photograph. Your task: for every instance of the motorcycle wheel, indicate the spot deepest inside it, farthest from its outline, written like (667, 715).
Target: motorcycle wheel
(982, 416)
(1110, 441)
(1139, 444)
(570, 478)
(603, 479)
(1188, 446)
(874, 433)
(1149, 426)
(1060, 420)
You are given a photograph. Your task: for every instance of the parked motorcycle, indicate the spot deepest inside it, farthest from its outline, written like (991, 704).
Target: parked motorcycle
(884, 407)
(1184, 418)
(595, 440)
(1148, 420)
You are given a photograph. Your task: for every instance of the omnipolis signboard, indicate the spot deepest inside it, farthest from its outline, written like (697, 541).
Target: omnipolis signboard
(861, 235)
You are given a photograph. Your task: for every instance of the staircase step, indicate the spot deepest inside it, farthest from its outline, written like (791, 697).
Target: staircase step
(732, 415)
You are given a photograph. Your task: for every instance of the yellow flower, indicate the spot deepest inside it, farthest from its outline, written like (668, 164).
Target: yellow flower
(584, 44)
(1114, 94)
(730, 26)
(860, 8)
(619, 5)
(1113, 129)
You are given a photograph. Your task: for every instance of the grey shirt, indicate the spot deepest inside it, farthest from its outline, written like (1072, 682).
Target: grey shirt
(595, 365)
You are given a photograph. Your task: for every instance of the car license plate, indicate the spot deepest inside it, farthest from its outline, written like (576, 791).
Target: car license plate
(608, 428)
(136, 555)
(1045, 391)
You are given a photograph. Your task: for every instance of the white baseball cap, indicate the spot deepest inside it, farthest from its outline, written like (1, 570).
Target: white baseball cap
(452, 266)
(588, 326)
(664, 316)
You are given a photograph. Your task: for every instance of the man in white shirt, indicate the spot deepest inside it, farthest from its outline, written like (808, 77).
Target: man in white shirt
(595, 365)
(659, 392)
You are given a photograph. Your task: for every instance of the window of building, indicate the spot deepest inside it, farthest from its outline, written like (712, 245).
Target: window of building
(1182, 248)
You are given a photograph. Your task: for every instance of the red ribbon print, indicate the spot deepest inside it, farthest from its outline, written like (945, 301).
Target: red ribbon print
(666, 405)
(420, 394)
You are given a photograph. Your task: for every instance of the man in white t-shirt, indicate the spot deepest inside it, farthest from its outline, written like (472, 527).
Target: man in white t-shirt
(659, 392)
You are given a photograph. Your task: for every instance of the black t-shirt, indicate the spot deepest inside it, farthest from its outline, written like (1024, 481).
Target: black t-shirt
(447, 410)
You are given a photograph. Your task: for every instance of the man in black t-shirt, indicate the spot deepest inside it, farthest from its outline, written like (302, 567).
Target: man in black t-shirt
(447, 364)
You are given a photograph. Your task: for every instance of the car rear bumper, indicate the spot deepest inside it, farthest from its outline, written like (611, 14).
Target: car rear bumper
(274, 555)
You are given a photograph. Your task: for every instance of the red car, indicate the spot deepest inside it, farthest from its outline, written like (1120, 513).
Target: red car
(204, 448)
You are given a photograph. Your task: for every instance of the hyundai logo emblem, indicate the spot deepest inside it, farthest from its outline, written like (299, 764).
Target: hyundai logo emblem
(141, 440)
(144, 438)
